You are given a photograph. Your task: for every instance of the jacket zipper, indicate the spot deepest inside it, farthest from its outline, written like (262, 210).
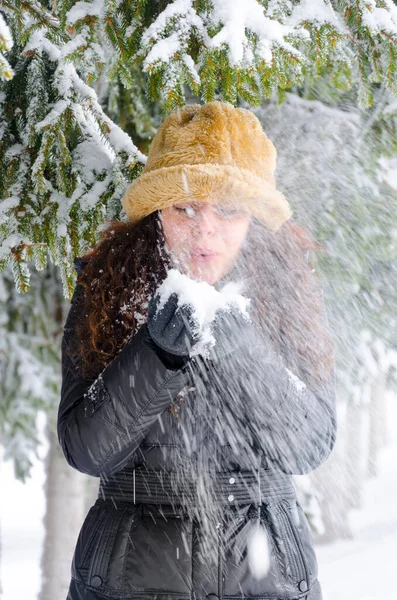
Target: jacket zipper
(294, 550)
(220, 562)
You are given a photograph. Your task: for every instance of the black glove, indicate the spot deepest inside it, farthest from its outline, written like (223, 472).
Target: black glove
(232, 332)
(172, 328)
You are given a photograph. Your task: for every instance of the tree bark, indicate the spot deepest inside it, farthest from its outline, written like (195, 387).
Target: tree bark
(65, 512)
(1, 549)
(330, 482)
(353, 453)
(377, 423)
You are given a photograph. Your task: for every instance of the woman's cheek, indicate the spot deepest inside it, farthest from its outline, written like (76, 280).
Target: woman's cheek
(233, 239)
(176, 233)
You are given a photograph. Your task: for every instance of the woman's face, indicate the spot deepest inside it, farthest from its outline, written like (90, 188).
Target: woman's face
(204, 238)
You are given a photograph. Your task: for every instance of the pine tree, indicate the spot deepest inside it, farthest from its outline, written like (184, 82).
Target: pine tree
(30, 336)
(6, 44)
(84, 87)
(329, 169)
(54, 198)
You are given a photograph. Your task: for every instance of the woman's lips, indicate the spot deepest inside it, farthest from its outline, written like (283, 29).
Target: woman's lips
(203, 256)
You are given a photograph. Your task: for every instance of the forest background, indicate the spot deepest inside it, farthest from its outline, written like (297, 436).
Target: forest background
(84, 87)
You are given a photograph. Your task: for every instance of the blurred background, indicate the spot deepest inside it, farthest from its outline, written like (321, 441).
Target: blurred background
(84, 87)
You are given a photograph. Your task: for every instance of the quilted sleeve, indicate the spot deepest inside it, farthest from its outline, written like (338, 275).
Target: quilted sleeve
(288, 420)
(101, 423)
(292, 420)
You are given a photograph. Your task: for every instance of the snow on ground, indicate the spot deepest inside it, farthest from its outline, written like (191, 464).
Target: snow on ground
(21, 526)
(361, 569)
(366, 568)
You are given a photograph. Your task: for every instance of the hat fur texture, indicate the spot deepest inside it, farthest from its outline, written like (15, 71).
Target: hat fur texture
(210, 153)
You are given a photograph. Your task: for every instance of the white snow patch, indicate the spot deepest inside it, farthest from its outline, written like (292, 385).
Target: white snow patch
(5, 35)
(241, 15)
(378, 18)
(296, 382)
(317, 11)
(258, 553)
(205, 301)
(82, 10)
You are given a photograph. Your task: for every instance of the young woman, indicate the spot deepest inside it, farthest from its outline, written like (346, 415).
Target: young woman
(195, 451)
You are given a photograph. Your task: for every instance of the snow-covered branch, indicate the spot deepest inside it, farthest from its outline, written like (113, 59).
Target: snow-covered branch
(6, 43)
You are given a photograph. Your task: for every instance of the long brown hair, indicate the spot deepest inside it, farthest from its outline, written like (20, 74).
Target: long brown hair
(129, 262)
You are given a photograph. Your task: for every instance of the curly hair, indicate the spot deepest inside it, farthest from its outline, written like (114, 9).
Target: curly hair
(130, 261)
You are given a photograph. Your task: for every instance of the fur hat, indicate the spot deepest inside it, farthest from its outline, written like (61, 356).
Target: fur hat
(210, 152)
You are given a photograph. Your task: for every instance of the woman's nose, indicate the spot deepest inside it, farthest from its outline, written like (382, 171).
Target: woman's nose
(206, 221)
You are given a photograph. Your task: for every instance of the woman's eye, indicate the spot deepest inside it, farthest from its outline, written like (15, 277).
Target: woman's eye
(229, 212)
(188, 210)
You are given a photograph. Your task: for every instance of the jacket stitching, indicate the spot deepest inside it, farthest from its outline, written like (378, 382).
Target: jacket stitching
(137, 418)
(127, 549)
(192, 578)
(98, 385)
(159, 445)
(106, 418)
(115, 524)
(96, 406)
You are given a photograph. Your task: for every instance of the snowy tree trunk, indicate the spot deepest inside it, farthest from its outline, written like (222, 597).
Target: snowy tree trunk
(330, 482)
(377, 423)
(65, 511)
(1, 553)
(384, 426)
(353, 452)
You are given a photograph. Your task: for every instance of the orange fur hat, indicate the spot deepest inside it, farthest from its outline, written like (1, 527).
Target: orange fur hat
(210, 152)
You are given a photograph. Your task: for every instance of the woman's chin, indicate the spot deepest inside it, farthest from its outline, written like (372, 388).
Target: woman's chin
(209, 274)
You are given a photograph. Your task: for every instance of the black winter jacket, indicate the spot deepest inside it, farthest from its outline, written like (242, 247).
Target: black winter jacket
(186, 472)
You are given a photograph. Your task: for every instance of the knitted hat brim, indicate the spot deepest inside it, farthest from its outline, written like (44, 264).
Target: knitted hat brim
(163, 187)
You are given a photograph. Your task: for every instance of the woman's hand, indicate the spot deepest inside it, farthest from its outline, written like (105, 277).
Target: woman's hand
(232, 332)
(173, 328)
